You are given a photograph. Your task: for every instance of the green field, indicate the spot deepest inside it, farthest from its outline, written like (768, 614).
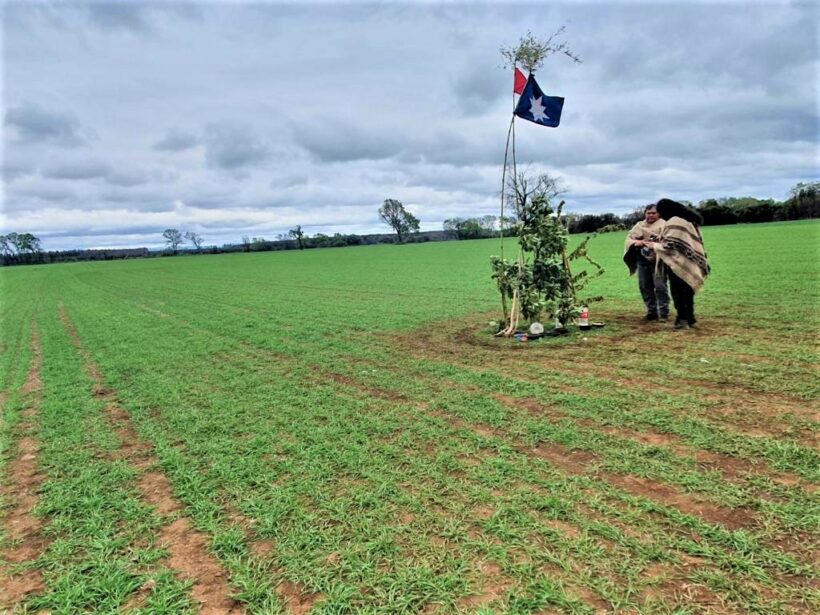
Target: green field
(337, 431)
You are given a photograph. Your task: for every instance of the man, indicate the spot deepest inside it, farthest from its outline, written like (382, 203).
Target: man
(680, 248)
(639, 256)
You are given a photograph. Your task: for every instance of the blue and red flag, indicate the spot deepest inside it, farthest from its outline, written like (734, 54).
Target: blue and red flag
(536, 107)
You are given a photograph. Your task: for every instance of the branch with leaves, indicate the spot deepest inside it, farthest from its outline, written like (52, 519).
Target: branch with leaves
(541, 279)
(530, 52)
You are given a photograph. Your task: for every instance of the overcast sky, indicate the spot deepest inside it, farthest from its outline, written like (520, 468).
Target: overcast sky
(231, 119)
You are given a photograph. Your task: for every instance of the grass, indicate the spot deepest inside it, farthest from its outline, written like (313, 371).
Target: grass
(340, 431)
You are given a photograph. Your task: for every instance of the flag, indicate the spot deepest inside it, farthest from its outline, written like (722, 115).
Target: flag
(536, 107)
(520, 82)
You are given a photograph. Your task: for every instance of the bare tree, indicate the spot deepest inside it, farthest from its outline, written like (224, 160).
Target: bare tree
(246, 242)
(195, 239)
(297, 234)
(522, 187)
(402, 221)
(173, 238)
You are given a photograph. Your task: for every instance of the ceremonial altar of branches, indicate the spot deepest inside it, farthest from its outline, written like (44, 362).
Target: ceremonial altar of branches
(540, 280)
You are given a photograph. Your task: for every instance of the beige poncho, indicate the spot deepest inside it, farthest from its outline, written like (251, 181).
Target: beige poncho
(681, 249)
(640, 232)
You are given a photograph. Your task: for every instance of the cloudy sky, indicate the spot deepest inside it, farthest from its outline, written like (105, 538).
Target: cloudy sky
(232, 119)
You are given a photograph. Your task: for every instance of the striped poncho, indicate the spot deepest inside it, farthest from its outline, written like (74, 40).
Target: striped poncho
(681, 249)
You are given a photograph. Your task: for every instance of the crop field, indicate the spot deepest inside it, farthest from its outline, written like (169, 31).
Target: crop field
(337, 431)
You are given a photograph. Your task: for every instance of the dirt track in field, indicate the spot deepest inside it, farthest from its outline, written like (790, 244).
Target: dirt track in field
(23, 528)
(188, 547)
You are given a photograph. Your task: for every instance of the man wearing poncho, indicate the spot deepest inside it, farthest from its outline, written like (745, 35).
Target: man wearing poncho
(680, 251)
(651, 279)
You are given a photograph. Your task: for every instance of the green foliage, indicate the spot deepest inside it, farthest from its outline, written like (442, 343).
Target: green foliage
(531, 51)
(541, 280)
(392, 212)
(19, 247)
(472, 228)
(299, 235)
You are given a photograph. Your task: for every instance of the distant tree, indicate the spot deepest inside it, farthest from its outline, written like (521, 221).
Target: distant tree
(28, 243)
(195, 239)
(633, 217)
(612, 228)
(488, 223)
(297, 234)
(394, 214)
(173, 238)
(804, 200)
(6, 246)
(320, 240)
(452, 226)
(20, 247)
(522, 187)
(475, 228)
(246, 243)
(715, 212)
(13, 240)
(590, 223)
(260, 244)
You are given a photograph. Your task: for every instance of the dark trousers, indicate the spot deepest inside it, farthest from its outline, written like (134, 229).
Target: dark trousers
(684, 298)
(653, 288)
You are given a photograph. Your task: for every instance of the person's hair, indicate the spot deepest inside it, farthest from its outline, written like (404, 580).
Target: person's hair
(650, 206)
(667, 208)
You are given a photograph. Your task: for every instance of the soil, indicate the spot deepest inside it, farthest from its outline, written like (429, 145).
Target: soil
(188, 548)
(22, 526)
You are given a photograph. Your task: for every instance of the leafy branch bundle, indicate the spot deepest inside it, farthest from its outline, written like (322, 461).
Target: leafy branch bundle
(541, 280)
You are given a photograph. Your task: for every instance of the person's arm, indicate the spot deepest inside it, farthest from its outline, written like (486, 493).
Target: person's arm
(635, 237)
(657, 244)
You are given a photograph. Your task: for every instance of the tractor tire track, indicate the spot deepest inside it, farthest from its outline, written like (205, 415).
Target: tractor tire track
(22, 526)
(187, 547)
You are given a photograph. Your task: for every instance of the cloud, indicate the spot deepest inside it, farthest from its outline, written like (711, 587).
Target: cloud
(14, 169)
(476, 94)
(77, 169)
(176, 141)
(34, 124)
(120, 15)
(343, 141)
(233, 146)
(46, 192)
(127, 178)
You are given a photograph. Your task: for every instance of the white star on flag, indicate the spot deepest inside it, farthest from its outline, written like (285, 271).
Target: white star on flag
(537, 109)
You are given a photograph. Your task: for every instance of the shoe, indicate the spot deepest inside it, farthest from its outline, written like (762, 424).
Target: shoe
(663, 317)
(650, 316)
(681, 325)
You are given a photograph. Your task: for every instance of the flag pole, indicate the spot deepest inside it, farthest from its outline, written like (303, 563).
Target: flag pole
(503, 180)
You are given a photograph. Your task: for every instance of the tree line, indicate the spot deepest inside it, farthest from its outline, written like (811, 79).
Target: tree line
(803, 203)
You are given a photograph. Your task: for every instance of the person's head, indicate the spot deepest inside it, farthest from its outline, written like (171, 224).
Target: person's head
(650, 213)
(667, 208)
